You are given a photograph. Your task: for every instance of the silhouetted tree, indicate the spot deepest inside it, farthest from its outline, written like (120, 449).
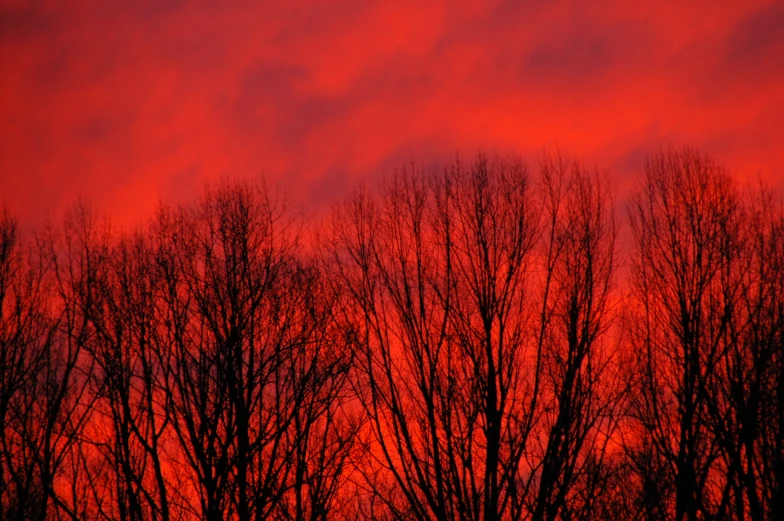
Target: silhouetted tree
(25, 332)
(467, 360)
(582, 401)
(686, 220)
(257, 378)
(743, 400)
(131, 414)
(454, 345)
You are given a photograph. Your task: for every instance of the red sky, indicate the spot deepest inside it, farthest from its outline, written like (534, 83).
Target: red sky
(129, 102)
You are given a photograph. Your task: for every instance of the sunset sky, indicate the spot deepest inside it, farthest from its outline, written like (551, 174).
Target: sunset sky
(130, 102)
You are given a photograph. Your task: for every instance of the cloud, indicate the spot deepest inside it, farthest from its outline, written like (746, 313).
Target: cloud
(127, 103)
(758, 40)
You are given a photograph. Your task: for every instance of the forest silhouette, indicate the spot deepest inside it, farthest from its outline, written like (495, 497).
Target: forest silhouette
(470, 341)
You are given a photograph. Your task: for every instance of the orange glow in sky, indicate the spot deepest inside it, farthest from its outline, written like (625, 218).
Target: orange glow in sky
(130, 102)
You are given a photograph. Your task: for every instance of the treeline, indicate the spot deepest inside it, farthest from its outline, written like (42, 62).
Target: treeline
(469, 343)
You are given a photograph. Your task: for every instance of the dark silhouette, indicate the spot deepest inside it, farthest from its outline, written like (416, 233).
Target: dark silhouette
(458, 344)
(706, 266)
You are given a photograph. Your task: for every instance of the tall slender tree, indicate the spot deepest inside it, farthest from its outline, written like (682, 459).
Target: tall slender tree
(685, 217)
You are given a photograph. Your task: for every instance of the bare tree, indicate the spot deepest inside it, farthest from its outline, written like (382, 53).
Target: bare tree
(451, 346)
(581, 405)
(25, 332)
(454, 335)
(685, 217)
(743, 401)
(131, 416)
(256, 377)
(55, 403)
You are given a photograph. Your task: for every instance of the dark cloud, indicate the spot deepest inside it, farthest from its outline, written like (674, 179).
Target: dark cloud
(757, 43)
(583, 52)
